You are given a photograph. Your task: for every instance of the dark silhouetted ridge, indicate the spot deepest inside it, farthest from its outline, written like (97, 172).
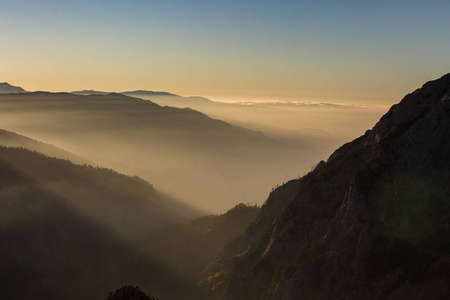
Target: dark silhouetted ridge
(370, 223)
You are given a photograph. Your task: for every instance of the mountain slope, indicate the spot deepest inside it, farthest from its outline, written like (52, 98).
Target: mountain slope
(77, 232)
(67, 230)
(6, 88)
(370, 223)
(188, 247)
(126, 205)
(51, 251)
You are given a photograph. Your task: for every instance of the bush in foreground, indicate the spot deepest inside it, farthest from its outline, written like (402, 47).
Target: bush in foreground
(129, 292)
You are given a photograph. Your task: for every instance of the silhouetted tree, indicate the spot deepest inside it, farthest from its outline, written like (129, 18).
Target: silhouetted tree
(129, 292)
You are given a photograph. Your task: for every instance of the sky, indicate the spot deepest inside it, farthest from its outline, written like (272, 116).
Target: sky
(337, 51)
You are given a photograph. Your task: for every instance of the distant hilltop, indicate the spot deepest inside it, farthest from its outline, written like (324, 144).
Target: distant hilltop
(129, 93)
(6, 88)
(143, 92)
(89, 92)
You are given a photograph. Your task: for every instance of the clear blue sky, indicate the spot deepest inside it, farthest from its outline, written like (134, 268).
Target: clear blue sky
(355, 51)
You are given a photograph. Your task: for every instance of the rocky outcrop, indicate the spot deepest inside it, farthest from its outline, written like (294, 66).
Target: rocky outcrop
(373, 222)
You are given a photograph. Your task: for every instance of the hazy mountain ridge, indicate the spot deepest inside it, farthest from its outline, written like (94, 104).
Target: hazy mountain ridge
(11, 139)
(89, 92)
(127, 93)
(271, 117)
(370, 223)
(126, 106)
(279, 118)
(104, 194)
(176, 149)
(275, 117)
(144, 92)
(6, 88)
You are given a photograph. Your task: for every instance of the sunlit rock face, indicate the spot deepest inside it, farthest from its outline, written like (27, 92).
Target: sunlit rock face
(373, 222)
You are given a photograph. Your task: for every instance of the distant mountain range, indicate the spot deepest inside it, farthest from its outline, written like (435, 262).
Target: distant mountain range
(179, 150)
(148, 93)
(6, 88)
(90, 92)
(129, 93)
(281, 118)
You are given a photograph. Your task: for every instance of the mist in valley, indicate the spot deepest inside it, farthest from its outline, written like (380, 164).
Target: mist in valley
(64, 204)
(186, 154)
(60, 158)
(76, 231)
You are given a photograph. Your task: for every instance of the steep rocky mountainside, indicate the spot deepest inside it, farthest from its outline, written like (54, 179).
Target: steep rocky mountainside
(373, 222)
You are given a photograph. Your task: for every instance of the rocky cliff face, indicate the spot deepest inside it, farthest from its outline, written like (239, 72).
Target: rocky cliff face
(373, 222)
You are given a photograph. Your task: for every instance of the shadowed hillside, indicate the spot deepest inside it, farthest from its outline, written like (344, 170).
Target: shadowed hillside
(370, 223)
(77, 232)
(66, 229)
(188, 247)
(124, 204)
